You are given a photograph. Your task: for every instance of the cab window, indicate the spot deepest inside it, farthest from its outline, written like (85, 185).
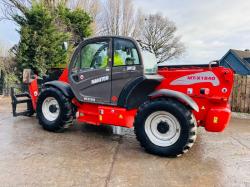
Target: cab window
(125, 53)
(76, 64)
(94, 56)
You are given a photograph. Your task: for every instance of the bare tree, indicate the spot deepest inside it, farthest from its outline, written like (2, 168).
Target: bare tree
(91, 6)
(9, 8)
(118, 17)
(138, 24)
(160, 33)
(16, 7)
(4, 49)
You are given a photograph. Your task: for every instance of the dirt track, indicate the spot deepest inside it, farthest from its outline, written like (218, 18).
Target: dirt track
(93, 156)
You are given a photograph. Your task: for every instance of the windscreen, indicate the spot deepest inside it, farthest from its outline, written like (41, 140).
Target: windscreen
(149, 58)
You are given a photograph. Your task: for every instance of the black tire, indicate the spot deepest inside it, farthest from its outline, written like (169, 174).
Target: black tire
(65, 117)
(31, 113)
(30, 108)
(187, 123)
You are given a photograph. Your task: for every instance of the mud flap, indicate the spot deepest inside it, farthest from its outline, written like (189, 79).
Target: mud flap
(19, 99)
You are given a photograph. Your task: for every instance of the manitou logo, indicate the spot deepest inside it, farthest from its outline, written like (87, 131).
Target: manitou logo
(100, 79)
(203, 77)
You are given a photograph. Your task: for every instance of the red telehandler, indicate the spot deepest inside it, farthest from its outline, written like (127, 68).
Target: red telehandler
(116, 81)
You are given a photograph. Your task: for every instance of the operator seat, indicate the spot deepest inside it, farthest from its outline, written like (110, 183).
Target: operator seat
(118, 60)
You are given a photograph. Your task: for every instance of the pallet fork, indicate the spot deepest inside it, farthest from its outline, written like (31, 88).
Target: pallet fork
(20, 99)
(29, 97)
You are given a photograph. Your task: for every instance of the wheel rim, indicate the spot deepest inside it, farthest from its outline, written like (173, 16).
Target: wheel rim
(162, 128)
(50, 109)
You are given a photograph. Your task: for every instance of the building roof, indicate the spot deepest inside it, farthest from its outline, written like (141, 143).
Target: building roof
(243, 57)
(242, 54)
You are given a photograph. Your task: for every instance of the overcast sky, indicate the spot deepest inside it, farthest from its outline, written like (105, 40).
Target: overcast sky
(208, 28)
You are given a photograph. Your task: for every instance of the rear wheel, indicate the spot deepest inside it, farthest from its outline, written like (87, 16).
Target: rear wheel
(165, 127)
(54, 110)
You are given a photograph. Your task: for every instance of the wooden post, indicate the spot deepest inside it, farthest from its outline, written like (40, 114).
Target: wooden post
(240, 98)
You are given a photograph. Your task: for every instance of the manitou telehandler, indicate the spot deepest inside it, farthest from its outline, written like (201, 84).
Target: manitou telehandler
(116, 81)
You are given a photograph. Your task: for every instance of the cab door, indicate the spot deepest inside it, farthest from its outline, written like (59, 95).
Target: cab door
(126, 67)
(90, 71)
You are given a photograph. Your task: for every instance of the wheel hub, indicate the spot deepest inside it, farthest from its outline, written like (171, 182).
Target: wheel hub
(52, 108)
(163, 127)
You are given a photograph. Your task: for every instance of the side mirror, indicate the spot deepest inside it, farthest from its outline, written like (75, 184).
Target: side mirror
(27, 76)
(65, 46)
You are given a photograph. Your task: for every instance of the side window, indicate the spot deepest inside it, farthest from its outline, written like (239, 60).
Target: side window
(94, 56)
(125, 53)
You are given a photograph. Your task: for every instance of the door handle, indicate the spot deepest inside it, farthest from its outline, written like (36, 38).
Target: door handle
(75, 78)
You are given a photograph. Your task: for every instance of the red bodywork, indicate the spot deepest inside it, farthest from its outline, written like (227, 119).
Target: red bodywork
(214, 109)
(33, 91)
(210, 88)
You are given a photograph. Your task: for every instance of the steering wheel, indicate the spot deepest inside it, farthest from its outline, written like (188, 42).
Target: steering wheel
(130, 61)
(94, 63)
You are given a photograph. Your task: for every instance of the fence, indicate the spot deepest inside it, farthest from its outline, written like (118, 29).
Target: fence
(240, 99)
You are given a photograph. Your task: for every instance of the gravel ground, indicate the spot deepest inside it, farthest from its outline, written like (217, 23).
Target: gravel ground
(92, 156)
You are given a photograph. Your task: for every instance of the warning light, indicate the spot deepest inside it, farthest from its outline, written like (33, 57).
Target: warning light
(100, 117)
(216, 119)
(114, 98)
(120, 116)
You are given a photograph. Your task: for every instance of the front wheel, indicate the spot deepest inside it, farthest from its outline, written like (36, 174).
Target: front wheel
(54, 110)
(165, 127)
